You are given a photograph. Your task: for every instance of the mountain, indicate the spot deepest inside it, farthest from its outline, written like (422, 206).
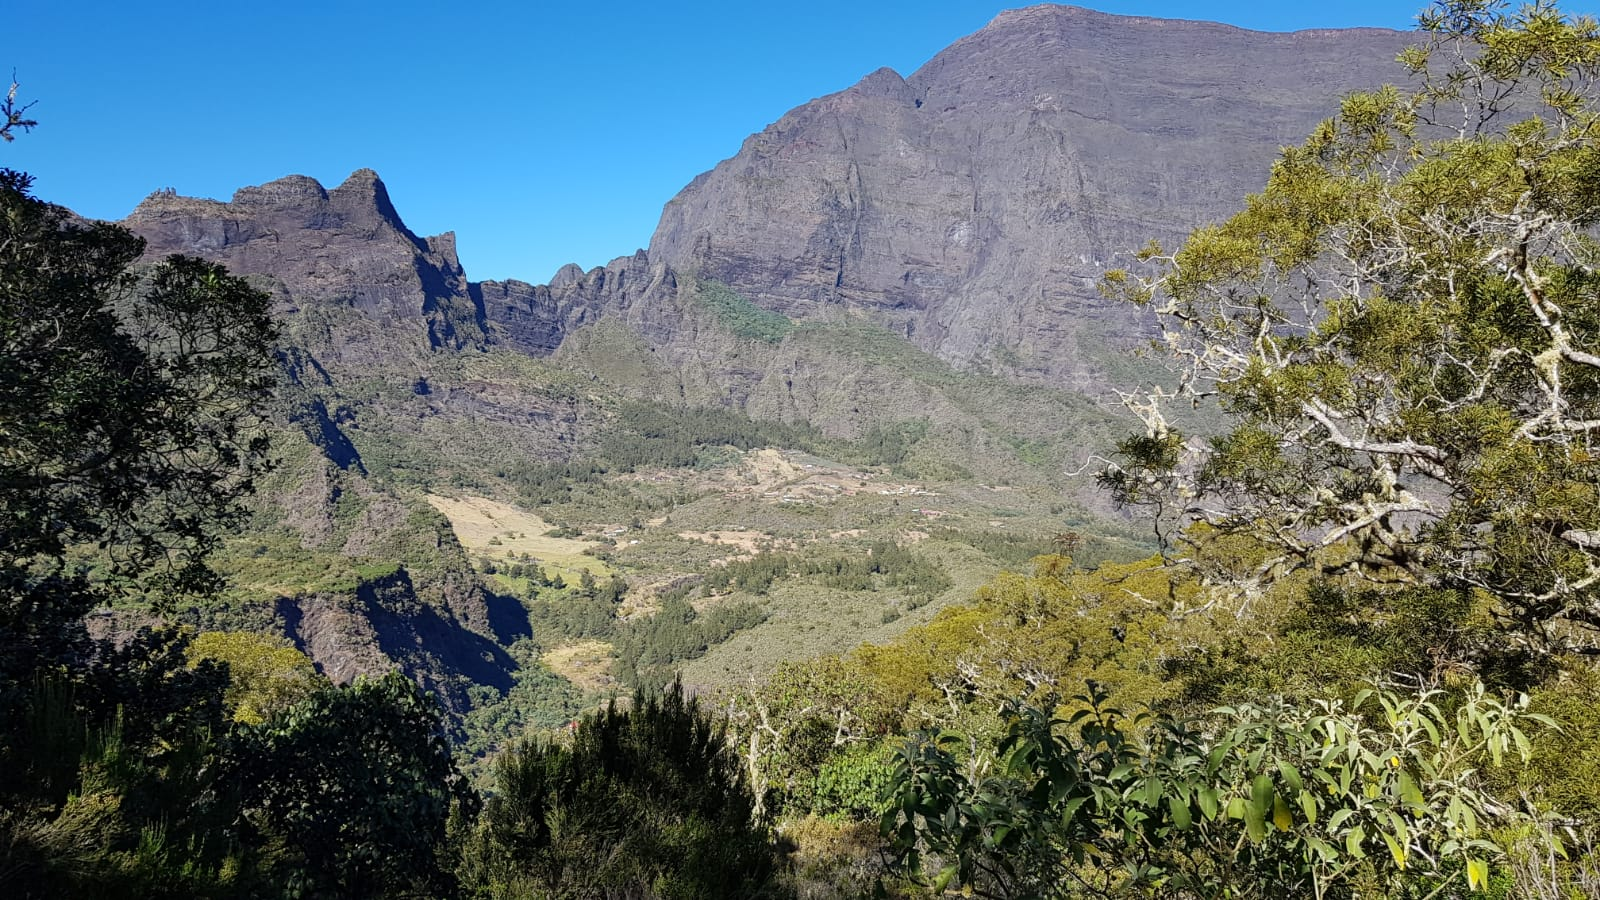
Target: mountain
(973, 205)
(892, 285)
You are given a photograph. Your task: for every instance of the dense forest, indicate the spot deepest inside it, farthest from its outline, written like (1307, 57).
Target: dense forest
(1362, 665)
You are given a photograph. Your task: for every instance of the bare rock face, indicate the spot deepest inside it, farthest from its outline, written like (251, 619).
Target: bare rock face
(535, 319)
(341, 248)
(973, 205)
(446, 646)
(970, 207)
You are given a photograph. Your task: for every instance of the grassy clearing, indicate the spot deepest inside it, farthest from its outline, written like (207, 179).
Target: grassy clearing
(806, 620)
(495, 530)
(587, 664)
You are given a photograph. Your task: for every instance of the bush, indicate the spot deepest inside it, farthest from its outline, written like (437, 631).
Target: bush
(356, 785)
(646, 801)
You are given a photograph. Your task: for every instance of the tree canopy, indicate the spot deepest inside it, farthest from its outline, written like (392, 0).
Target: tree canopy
(1402, 328)
(129, 400)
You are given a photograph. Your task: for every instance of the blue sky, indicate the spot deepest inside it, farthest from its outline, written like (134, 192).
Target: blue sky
(540, 133)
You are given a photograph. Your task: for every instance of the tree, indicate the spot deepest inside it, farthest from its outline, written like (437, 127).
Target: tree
(1404, 329)
(129, 413)
(646, 801)
(14, 116)
(264, 675)
(802, 716)
(129, 404)
(357, 785)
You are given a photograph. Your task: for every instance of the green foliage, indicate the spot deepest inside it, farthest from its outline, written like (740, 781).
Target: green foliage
(264, 675)
(647, 648)
(853, 784)
(646, 435)
(109, 785)
(890, 445)
(356, 784)
(1331, 639)
(895, 567)
(646, 801)
(1260, 800)
(1402, 327)
(1028, 633)
(274, 562)
(1564, 774)
(537, 701)
(805, 734)
(575, 617)
(129, 406)
(735, 312)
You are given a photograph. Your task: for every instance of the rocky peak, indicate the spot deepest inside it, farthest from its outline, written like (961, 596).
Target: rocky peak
(294, 191)
(364, 196)
(319, 248)
(886, 83)
(536, 318)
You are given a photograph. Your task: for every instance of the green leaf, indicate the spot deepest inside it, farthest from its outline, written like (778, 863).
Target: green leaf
(1207, 798)
(1255, 825)
(1261, 795)
(1255, 819)
(1152, 791)
(1308, 805)
(1396, 849)
(1353, 841)
(1291, 776)
(1070, 809)
(1180, 813)
(1410, 794)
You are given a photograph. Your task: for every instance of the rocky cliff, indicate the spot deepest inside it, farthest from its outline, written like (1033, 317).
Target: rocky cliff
(973, 205)
(341, 248)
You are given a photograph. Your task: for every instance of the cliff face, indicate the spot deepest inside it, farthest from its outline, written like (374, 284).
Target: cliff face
(535, 319)
(970, 207)
(330, 249)
(973, 205)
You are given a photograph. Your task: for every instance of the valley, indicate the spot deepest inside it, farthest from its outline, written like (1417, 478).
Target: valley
(922, 376)
(1120, 457)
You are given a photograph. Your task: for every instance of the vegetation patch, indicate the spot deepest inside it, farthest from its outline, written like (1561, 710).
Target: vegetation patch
(735, 312)
(587, 664)
(495, 530)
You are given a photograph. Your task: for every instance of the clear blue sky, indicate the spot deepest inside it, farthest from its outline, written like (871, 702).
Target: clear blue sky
(541, 133)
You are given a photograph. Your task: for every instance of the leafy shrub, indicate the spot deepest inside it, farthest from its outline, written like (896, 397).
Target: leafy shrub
(1260, 800)
(646, 801)
(356, 784)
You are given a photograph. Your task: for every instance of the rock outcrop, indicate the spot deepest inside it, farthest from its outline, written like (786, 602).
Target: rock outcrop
(341, 249)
